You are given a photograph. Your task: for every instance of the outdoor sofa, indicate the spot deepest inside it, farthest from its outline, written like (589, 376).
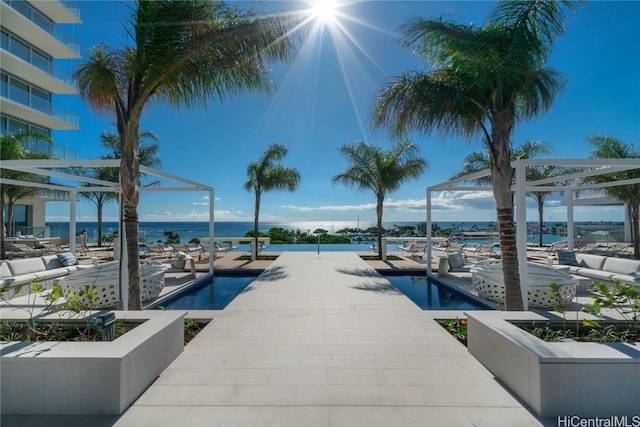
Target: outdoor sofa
(600, 268)
(44, 269)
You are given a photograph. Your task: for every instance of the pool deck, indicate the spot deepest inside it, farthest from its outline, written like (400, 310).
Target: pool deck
(320, 340)
(323, 340)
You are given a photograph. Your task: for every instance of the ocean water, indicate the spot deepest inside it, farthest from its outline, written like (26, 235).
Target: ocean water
(154, 231)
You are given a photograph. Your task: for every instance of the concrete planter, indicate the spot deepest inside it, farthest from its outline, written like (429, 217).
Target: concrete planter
(89, 378)
(557, 379)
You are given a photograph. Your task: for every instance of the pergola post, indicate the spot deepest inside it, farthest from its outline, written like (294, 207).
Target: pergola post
(73, 196)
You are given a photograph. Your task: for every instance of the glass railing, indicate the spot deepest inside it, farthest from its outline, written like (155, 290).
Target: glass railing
(43, 22)
(48, 67)
(72, 6)
(25, 98)
(55, 151)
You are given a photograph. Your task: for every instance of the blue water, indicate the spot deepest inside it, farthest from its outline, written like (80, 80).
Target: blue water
(154, 231)
(214, 294)
(430, 296)
(217, 293)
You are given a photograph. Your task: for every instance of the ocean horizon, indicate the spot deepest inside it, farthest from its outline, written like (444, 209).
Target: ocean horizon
(154, 231)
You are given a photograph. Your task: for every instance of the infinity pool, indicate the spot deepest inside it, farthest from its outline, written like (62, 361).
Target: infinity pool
(217, 293)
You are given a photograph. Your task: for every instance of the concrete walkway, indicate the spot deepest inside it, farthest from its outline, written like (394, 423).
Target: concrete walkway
(323, 340)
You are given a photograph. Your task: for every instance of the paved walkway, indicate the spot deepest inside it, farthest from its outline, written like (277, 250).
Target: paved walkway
(323, 340)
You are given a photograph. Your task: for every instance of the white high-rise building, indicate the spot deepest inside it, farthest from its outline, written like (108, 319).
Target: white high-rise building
(32, 82)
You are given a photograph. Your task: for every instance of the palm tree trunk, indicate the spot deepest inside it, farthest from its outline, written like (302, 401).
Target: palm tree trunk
(501, 175)
(379, 206)
(99, 206)
(541, 217)
(634, 214)
(256, 216)
(10, 231)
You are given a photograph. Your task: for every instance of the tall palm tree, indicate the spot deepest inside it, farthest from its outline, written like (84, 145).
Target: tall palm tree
(268, 174)
(147, 155)
(183, 53)
(14, 147)
(383, 172)
(479, 160)
(482, 81)
(605, 147)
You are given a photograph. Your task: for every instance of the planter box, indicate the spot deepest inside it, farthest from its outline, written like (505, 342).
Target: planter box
(89, 378)
(557, 379)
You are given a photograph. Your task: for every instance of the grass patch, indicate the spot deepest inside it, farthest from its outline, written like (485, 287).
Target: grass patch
(377, 258)
(260, 258)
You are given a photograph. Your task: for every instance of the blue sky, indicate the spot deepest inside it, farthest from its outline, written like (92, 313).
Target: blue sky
(323, 101)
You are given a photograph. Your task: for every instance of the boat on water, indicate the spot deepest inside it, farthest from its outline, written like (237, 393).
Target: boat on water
(487, 278)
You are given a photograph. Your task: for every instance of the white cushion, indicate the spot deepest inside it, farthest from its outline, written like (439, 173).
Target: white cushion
(621, 265)
(21, 267)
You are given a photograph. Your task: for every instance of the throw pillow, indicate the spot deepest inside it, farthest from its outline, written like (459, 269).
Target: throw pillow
(567, 258)
(67, 259)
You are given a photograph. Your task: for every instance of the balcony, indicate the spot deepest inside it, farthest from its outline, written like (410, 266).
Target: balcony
(46, 75)
(30, 25)
(20, 103)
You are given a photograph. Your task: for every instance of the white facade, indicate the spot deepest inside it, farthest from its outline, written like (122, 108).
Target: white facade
(33, 42)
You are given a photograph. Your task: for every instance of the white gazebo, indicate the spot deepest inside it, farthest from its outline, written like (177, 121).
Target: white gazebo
(570, 184)
(74, 184)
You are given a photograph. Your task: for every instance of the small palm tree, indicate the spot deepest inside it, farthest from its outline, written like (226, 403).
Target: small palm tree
(267, 174)
(14, 147)
(481, 81)
(479, 160)
(611, 148)
(147, 153)
(182, 54)
(383, 172)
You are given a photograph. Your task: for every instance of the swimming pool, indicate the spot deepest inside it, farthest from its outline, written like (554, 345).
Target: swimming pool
(217, 293)
(429, 295)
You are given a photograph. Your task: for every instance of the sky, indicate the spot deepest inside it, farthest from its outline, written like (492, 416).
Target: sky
(323, 101)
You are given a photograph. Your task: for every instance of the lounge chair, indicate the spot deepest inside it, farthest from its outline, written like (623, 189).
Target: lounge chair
(22, 250)
(206, 248)
(417, 250)
(182, 263)
(480, 251)
(51, 248)
(455, 247)
(160, 248)
(226, 247)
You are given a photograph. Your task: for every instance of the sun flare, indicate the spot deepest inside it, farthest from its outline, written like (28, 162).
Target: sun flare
(324, 10)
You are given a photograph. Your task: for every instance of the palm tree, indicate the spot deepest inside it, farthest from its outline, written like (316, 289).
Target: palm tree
(479, 160)
(482, 81)
(183, 53)
(14, 147)
(606, 147)
(267, 174)
(147, 155)
(382, 172)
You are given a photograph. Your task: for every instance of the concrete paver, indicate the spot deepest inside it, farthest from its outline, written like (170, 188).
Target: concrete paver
(323, 340)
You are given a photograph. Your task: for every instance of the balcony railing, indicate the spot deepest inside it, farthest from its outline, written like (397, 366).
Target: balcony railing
(47, 66)
(43, 22)
(42, 105)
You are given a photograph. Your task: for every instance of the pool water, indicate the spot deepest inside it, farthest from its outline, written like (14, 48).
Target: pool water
(429, 295)
(217, 293)
(213, 294)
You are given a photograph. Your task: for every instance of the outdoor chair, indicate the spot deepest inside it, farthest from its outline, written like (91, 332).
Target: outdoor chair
(22, 250)
(226, 247)
(418, 250)
(160, 248)
(455, 247)
(480, 251)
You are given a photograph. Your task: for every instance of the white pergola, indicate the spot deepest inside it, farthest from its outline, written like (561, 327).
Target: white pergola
(570, 184)
(75, 184)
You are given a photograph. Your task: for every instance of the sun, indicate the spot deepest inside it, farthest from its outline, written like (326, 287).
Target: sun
(324, 10)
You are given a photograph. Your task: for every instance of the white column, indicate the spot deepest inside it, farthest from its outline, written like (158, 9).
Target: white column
(521, 230)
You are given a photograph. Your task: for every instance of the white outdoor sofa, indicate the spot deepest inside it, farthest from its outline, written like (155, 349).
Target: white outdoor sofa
(43, 269)
(600, 268)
